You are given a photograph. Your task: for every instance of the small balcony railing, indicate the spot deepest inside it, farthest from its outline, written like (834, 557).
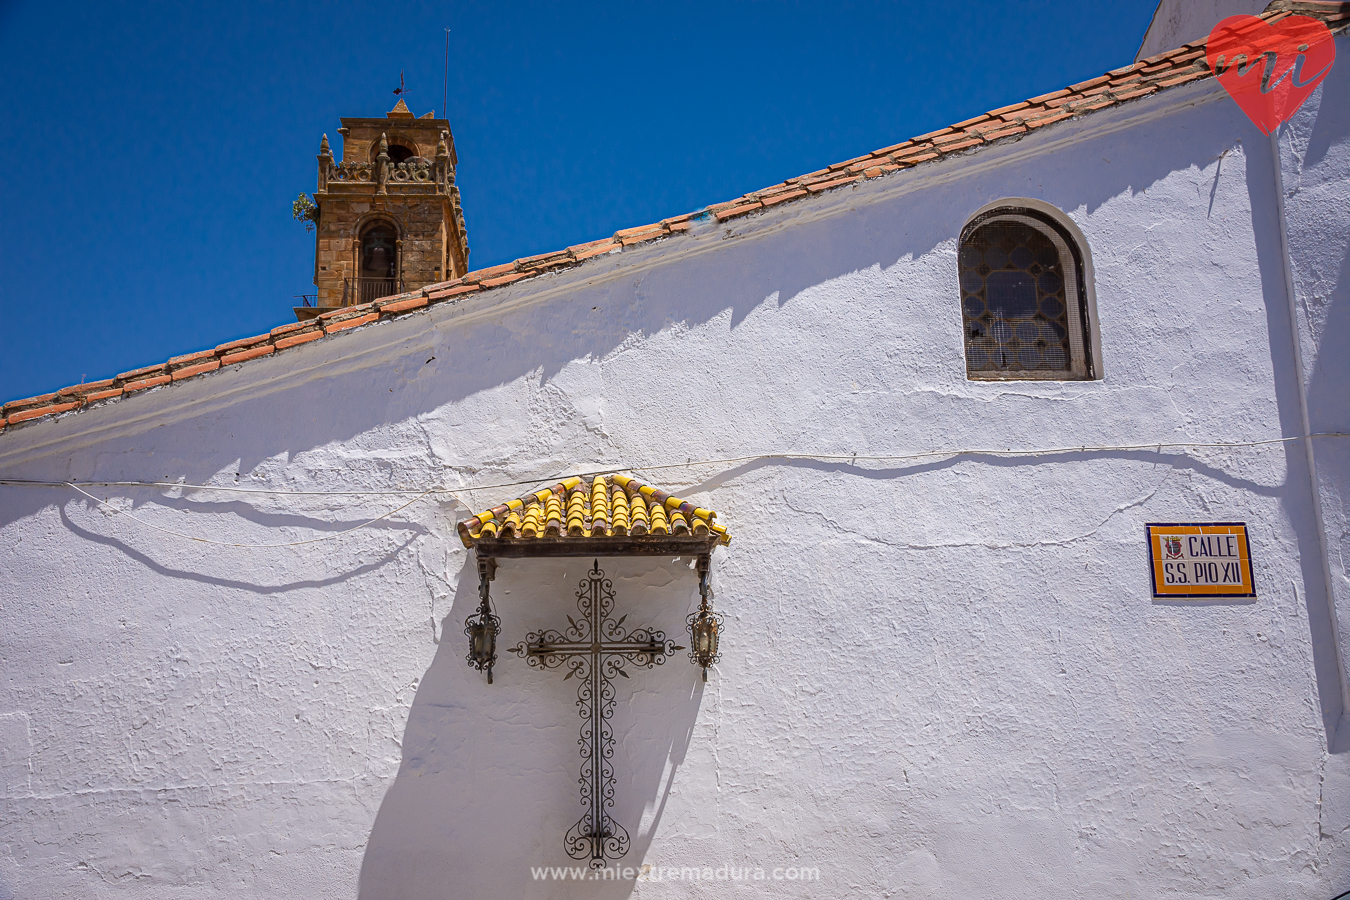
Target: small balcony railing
(364, 289)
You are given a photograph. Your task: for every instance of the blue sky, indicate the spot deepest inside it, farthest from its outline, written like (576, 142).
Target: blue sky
(152, 150)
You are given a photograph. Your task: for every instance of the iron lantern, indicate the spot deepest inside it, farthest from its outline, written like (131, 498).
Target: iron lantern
(704, 626)
(482, 629)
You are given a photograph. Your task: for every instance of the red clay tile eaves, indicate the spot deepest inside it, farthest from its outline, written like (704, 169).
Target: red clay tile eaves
(1146, 77)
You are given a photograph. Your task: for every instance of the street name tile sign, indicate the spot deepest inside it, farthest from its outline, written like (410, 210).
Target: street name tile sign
(1199, 560)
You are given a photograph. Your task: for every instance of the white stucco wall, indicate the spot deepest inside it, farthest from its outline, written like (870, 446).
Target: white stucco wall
(942, 677)
(1177, 22)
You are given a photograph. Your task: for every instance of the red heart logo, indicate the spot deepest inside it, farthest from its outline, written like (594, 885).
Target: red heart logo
(1270, 69)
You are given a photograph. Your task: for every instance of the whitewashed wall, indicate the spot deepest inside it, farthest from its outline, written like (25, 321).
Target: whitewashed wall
(941, 678)
(1177, 22)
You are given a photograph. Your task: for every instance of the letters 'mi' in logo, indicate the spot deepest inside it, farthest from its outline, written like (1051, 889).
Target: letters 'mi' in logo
(1172, 545)
(1265, 66)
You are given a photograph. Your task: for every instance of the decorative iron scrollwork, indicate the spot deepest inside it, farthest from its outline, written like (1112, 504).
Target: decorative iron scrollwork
(595, 648)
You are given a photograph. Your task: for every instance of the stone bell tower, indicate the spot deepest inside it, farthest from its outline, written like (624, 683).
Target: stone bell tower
(389, 218)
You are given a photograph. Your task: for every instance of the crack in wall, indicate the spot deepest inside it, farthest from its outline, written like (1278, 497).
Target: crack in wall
(1010, 545)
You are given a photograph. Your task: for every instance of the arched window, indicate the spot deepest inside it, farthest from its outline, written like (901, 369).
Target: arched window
(1023, 299)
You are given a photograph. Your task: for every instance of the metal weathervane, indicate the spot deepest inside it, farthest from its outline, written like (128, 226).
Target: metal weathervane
(595, 648)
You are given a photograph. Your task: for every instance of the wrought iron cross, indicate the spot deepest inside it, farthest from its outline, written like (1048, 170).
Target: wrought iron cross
(595, 648)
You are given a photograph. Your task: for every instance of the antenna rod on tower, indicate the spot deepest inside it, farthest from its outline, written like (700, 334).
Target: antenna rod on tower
(445, 100)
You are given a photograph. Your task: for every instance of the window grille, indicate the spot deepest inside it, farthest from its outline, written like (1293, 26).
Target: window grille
(1023, 303)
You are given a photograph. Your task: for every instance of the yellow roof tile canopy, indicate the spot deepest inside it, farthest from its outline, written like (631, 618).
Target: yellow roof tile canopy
(598, 515)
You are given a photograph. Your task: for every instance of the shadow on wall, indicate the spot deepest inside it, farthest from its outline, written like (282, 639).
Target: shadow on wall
(1298, 502)
(488, 783)
(1327, 397)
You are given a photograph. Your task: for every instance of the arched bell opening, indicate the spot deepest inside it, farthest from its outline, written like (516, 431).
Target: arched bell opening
(378, 271)
(397, 152)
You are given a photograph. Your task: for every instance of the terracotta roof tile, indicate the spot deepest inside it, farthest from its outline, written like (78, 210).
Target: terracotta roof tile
(818, 173)
(968, 141)
(86, 387)
(189, 358)
(1065, 100)
(144, 383)
(401, 306)
(31, 402)
(40, 411)
(922, 156)
(355, 321)
(189, 371)
(1004, 110)
(969, 122)
(501, 280)
(245, 355)
(236, 345)
(297, 339)
(546, 261)
(1049, 118)
(603, 248)
(848, 162)
(582, 509)
(1175, 67)
(1090, 103)
(787, 195)
(1046, 98)
(1180, 78)
(1004, 130)
(932, 134)
(134, 374)
(484, 274)
(773, 189)
(1135, 91)
(347, 312)
(738, 211)
(826, 185)
(1083, 86)
(633, 232)
(454, 291)
(893, 149)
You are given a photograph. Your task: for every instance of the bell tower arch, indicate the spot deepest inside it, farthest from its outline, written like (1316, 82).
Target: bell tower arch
(389, 217)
